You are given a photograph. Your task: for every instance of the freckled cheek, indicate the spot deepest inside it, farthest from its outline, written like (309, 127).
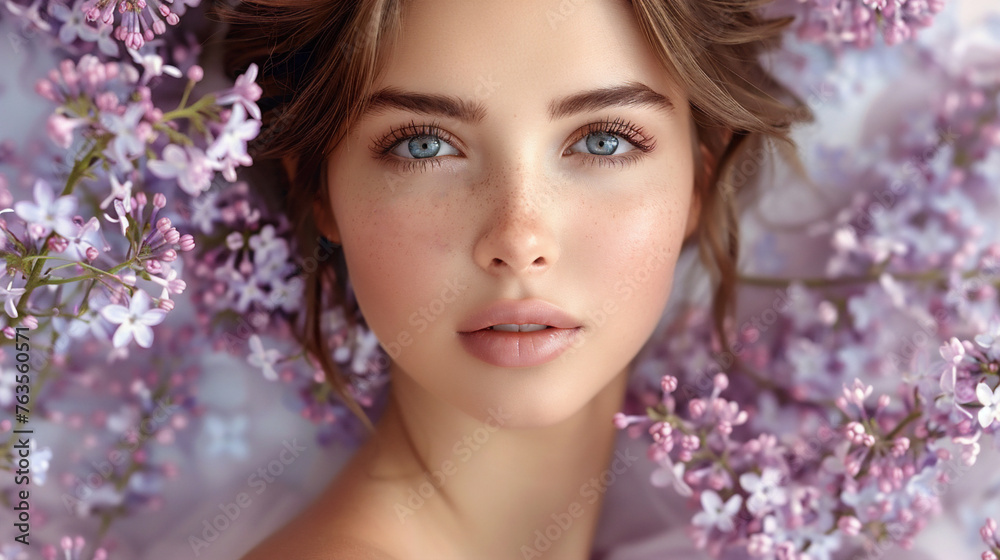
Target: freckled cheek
(641, 249)
(395, 263)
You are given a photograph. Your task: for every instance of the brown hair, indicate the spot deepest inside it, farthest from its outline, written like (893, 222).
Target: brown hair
(319, 59)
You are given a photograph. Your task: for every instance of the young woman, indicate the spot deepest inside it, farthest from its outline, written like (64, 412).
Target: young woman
(510, 184)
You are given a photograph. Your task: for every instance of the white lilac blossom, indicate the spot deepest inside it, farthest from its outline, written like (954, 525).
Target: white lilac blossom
(190, 166)
(47, 213)
(230, 146)
(134, 321)
(11, 296)
(264, 359)
(990, 399)
(716, 513)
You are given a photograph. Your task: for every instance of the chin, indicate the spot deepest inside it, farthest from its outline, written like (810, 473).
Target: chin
(538, 402)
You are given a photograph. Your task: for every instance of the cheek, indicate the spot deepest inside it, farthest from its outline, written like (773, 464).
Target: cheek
(397, 258)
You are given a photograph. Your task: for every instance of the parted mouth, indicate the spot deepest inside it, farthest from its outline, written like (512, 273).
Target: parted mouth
(519, 316)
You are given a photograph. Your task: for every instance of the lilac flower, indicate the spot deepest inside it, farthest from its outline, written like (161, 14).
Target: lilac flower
(86, 237)
(140, 22)
(226, 437)
(30, 14)
(990, 400)
(60, 129)
(204, 211)
(153, 66)
(122, 219)
(74, 24)
(192, 169)
(245, 92)
(671, 474)
(40, 460)
(106, 43)
(48, 213)
(765, 490)
(129, 135)
(285, 294)
(715, 513)
(264, 359)
(122, 191)
(104, 496)
(229, 147)
(134, 320)
(11, 297)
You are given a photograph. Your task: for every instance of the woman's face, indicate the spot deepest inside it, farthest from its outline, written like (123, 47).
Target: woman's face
(551, 159)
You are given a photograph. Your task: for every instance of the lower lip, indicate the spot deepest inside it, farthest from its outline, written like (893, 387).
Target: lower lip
(518, 349)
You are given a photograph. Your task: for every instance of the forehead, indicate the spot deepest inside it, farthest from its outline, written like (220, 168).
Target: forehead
(521, 53)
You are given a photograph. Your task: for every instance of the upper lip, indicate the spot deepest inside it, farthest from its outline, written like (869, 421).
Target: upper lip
(519, 312)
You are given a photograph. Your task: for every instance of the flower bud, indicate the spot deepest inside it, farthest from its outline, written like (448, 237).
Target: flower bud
(850, 525)
(195, 73)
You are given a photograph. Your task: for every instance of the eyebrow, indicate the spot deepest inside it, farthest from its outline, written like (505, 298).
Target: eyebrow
(629, 94)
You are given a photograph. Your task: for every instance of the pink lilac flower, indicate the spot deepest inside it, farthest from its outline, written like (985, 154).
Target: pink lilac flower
(60, 129)
(140, 21)
(134, 321)
(47, 213)
(245, 92)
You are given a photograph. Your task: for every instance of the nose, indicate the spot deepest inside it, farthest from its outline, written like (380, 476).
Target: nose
(518, 237)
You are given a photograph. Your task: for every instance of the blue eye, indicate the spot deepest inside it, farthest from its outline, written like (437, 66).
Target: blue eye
(601, 143)
(423, 146)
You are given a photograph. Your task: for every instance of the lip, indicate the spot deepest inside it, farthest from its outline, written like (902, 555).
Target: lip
(519, 312)
(519, 349)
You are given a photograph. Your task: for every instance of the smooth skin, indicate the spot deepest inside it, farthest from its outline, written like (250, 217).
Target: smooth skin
(515, 205)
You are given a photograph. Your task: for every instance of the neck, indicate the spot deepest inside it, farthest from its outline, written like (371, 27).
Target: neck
(482, 489)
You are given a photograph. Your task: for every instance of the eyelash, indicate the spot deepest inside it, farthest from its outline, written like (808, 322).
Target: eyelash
(617, 127)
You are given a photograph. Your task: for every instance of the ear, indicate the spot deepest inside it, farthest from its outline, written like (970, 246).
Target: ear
(694, 211)
(322, 213)
(694, 214)
(323, 216)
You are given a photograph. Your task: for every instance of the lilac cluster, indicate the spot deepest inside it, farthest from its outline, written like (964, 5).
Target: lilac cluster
(837, 418)
(859, 22)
